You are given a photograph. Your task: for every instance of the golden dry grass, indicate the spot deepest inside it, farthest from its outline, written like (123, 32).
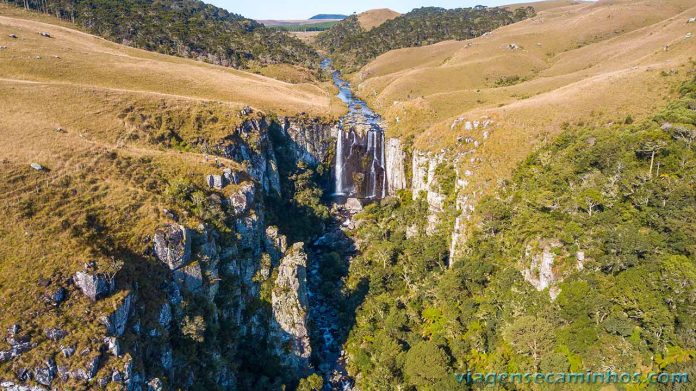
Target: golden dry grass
(308, 37)
(77, 58)
(373, 18)
(591, 63)
(105, 98)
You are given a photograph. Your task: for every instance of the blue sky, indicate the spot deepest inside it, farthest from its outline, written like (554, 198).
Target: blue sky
(303, 9)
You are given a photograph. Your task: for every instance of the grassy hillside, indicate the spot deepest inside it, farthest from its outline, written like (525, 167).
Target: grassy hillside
(614, 209)
(115, 128)
(75, 59)
(352, 44)
(587, 63)
(374, 18)
(186, 28)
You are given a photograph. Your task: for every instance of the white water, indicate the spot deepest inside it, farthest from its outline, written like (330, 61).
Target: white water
(339, 162)
(350, 154)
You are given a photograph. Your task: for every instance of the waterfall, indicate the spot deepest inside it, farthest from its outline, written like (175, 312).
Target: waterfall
(360, 157)
(339, 162)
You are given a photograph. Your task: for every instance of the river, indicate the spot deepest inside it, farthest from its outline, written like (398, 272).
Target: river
(358, 173)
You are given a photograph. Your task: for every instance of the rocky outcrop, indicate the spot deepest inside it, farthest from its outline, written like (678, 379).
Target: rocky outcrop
(208, 284)
(173, 245)
(540, 273)
(395, 166)
(276, 244)
(289, 300)
(424, 182)
(93, 285)
(116, 321)
(311, 140)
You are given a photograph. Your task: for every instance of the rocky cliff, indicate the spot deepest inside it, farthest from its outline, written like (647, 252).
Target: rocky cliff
(289, 330)
(395, 166)
(221, 291)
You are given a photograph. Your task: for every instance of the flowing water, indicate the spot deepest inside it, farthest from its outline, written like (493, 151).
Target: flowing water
(360, 162)
(359, 172)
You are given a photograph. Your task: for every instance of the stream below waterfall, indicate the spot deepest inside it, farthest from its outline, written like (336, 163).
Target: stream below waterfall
(359, 173)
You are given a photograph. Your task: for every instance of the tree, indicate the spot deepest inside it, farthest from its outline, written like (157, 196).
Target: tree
(530, 336)
(313, 382)
(426, 364)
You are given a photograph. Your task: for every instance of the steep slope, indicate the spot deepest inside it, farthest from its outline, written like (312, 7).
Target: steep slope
(374, 18)
(583, 262)
(138, 194)
(186, 28)
(351, 46)
(583, 63)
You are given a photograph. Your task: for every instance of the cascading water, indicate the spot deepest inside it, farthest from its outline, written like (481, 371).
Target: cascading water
(359, 172)
(339, 162)
(360, 164)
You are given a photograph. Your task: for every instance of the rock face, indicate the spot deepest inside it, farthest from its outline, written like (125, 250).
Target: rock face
(424, 181)
(173, 245)
(540, 272)
(289, 301)
(214, 279)
(311, 139)
(116, 322)
(395, 166)
(276, 244)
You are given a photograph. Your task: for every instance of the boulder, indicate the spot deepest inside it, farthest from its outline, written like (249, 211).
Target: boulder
(243, 199)
(10, 386)
(155, 385)
(58, 296)
(46, 373)
(67, 351)
(94, 286)
(37, 166)
(13, 330)
(353, 205)
(215, 181)
(55, 334)
(173, 245)
(230, 176)
(113, 346)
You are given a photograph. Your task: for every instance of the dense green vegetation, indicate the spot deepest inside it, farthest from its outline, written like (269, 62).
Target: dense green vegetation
(352, 47)
(620, 199)
(186, 28)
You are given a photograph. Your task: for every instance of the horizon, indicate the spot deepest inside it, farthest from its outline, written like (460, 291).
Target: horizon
(296, 10)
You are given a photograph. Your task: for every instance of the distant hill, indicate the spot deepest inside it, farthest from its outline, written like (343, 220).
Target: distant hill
(329, 16)
(186, 28)
(351, 45)
(373, 18)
